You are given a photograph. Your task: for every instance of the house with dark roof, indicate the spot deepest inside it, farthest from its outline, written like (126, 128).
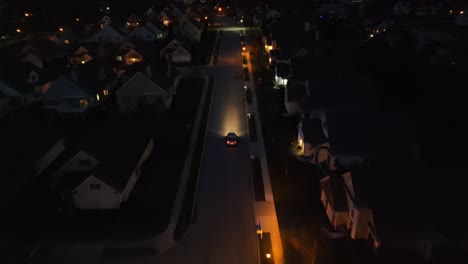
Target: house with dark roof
(66, 37)
(344, 210)
(295, 92)
(146, 89)
(99, 176)
(29, 144)
(45, 49)
(81, 89)
(312, 136)
(178, 50)
(80, 56)
(191, 29)
(150, 32)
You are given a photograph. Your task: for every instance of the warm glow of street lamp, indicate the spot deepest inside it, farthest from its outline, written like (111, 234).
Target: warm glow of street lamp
(220, 9)
(206, 18)
(61, 29)
(268, 255)
(77, 19)
(18, 30)
(26, 14)
(462, 12)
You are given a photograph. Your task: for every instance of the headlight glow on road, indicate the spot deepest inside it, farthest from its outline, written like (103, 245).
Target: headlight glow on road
(232, 122)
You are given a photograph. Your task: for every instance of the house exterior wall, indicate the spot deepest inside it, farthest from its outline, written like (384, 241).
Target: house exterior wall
(136, 173)
(340, 219)
(44, 161)
(358, 225)
(181, 57)
(129, 60)
(103, 198)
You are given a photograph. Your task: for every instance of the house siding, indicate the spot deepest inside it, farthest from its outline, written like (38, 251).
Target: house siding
(104, 198)
(44, 161)
(74, 165)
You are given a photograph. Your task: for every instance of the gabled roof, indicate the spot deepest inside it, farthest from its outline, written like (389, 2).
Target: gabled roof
(312, 129)
(139, 73)
(45, 48)
(155, 27)
(92, 77)
(197, 24)
(116, 164)
(333, 186)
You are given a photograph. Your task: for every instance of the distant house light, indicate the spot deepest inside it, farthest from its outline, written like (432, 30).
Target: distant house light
(97, 97)
(77, 19)
(83, 62)
(66, 41)
(60, 29)
(462, 12)
(26, 14)
(119, 58)
(105, 92)
(18, 30)
(83, 102)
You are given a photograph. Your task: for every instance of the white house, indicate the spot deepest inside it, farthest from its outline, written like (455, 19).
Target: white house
(147, 90)
(176, 52)
(191, 29)
(100, 176)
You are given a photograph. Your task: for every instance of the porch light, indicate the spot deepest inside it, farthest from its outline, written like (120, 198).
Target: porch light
(268, 255)
(248, 115)
(220, 9)
(26, 14)
(18, 30)
(462, 12)
(77, 19)
(60, 29)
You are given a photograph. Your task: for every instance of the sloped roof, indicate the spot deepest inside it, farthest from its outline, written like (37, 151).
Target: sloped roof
(116, 164)
(138, 73)
(89, 76)
(13, 76)
(333, 186)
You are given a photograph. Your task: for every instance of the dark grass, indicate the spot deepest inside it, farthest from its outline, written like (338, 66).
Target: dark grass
(252, 128)
(188, 214)
(259, 191)
(146, 213)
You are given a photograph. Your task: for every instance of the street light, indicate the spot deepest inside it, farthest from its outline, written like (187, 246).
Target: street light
(268, 255)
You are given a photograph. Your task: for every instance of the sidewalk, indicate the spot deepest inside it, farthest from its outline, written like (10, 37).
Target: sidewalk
(265, 212)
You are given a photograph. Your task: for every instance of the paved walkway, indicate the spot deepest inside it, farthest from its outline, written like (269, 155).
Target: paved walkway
(265, 212)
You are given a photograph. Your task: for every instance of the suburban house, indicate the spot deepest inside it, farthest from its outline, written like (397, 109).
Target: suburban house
(191, 29)
(343, 210)
(97, 175)
(80, 56)
(150, 32)
(177, 52)
(20, 84)
(66, 37)
(28, 146)
(32, 58)
(311, 137)
(46, 50)
(109, 35)
(83, 88)
(146, 89)
(129, 57)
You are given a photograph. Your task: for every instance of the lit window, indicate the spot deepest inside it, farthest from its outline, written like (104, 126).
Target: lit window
(97, 97)
(134, 59)
(83, 102)
(119, 58)
(66, 41)
(18, 30)
(82, 62)
(105, 92)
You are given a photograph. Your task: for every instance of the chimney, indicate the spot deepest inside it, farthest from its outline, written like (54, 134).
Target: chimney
(148, 70)
(102, 73)
(74, 75)
(306, 26)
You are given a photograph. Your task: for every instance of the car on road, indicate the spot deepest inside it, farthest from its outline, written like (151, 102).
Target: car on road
(231, 139)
